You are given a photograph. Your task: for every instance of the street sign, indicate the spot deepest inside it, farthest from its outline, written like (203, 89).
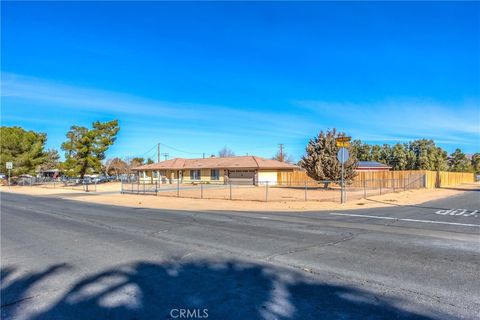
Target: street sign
(343, 141)
(342, 144)
(9, 165)
(342, 155)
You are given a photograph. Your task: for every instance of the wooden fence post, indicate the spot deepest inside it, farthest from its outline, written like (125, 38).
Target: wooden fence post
(305, 190)
(266, 192)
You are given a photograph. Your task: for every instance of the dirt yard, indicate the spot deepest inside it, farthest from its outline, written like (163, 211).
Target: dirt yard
(280, 199)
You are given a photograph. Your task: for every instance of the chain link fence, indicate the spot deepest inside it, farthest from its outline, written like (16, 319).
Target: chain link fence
(87, 184)
(268, 191)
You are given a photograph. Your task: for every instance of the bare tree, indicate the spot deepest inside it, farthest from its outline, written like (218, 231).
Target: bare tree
(226, 152)
(116, 166)
(284, 157)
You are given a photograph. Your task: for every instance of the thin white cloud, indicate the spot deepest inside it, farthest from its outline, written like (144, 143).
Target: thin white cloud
(405, 118)
(61, 96)
(380, 122)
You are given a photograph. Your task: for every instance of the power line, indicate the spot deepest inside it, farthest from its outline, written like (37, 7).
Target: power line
(149, 151)
(182, 151)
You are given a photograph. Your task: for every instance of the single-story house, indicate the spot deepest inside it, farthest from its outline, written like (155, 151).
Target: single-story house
(372, 166)
(241, 170)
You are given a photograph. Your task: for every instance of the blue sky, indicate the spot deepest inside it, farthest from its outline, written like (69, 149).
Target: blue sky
(248, 75)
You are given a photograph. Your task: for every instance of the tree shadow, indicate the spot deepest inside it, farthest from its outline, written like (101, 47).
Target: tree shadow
(462, 189)
(405, 205)
(16, 291)
(226, 290)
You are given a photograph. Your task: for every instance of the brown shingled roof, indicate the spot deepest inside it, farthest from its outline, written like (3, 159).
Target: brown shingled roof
(242, 162)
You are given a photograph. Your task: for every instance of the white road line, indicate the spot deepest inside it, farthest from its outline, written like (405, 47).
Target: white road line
(410, 220)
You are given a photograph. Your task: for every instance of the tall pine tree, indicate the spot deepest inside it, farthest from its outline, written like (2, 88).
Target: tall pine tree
(85, 148)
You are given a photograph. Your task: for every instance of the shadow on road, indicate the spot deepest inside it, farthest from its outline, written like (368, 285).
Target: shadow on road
(461, 189)
(227, 290)
(406, 205)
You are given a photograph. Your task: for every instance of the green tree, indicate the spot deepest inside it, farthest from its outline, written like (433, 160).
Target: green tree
(362, 151)
(458, 162)
(476, 162)
(376, 153)
(411, 157)
(24, 148)
(386, 155)
(150, 161)
(85, 148)
(320, 160)
(52, 160)
(427, 155)
(399, 159)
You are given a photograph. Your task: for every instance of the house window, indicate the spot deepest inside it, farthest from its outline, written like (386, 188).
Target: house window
(215, 174)
(155, 174)
(194, 174)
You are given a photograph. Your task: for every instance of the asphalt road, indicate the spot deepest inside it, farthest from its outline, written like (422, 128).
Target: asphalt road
(63, 259)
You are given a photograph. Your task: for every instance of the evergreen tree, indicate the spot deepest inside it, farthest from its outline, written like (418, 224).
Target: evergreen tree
(320, 160)
(458, 162)
(427, 155)
(376, 153)
(386, 155)
(52, 160)
(362, 151)
(24, 148)
(399, 159)
(85, 148)
(411, 157)
(476, 162)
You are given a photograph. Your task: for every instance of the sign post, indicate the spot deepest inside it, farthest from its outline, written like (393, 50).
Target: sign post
(9, 166)
(342, 157)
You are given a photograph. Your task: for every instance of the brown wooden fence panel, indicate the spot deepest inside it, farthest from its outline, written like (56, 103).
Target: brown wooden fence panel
(389, 179)
(295, 177)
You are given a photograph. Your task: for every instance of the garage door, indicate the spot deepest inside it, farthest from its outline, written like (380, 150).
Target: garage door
(241, 176)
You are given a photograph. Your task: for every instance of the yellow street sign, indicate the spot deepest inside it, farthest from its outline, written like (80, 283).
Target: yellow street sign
(342, 144)
(343, 141)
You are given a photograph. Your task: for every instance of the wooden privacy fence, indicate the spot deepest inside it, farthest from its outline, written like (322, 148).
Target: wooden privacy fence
(445, 179)
(395, 179)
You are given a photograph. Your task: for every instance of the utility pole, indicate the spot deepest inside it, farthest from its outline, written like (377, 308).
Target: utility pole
(281, 152)
(158, 152)
(165, 155)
